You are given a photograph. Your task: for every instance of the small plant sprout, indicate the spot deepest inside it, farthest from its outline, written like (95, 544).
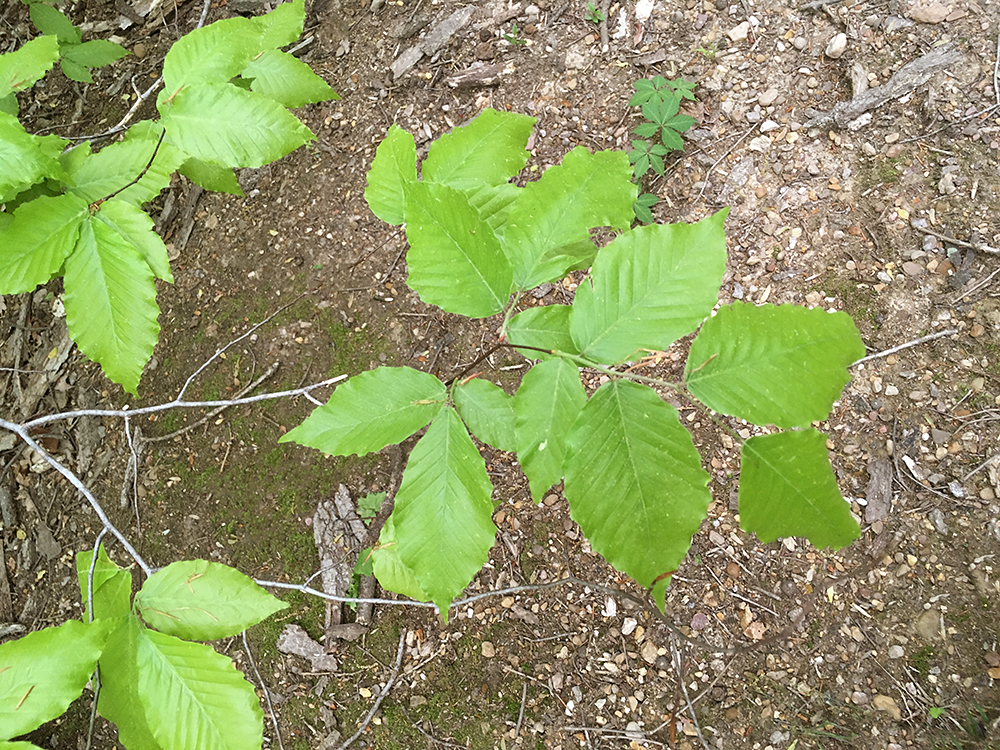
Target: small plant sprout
(593, 14)
(514, 36)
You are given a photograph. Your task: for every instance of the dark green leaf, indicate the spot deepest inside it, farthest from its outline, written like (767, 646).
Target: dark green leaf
(787, 488)
(74, 71)
(95, 53)
(48, 20)
(488, 412)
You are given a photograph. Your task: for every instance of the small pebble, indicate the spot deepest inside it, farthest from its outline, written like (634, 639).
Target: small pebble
(800, 43)
(859, 699)
(837, 46)
(739, 33)
(896, 652)
(767, 98)
(892, 138)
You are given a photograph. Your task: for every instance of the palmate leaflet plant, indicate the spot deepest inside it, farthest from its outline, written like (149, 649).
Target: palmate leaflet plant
(631, 472)
(227, 91)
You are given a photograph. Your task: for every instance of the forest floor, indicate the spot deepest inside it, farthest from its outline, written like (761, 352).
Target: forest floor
(889, 643)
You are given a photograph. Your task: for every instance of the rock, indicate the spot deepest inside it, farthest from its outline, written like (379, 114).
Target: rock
(800, 43)
(976, 331)
(767, 98)
(331, 741)
(700, 621)
(930, 13)
(888, 704)
(946, 185)
(662, 664)
(896, 652)
(859, 699)
(937, 518)
(837, 46)
(295, 640)
(633, 731)
(913, 269)
(928, 625)
(648, 652)
(739, 33)
(767, 126)
(488, 650)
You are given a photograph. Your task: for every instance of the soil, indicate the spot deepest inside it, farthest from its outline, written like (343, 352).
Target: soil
(889, 643)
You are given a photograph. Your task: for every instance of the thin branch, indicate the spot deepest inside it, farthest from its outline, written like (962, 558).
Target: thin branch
(141, 174)
(22, 432)
(520, 714)
(680, 678)
(175, 404)
(981, 466)
(123, 123)
(907, 345)
(981, 247)
(728, 151)
(385, 691)
(263, 687)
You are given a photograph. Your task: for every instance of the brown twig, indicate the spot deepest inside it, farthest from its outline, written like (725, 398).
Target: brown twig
(385, 691)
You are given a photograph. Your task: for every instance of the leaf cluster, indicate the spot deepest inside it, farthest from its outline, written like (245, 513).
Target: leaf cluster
(632, 475)
(76, 57)
(660, 101)
(66, 210)
(163, 690)
(593, 13)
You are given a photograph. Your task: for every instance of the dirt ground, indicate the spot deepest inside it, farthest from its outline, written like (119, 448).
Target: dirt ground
(890, 643)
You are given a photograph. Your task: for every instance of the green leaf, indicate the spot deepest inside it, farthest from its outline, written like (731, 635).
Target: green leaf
(546, 406)
(493, 202)
(203, 601)
(112, 586)
(646, 129)
(680, 122)
(110, 302)
(5, 745)
(95, 53)
(20, 69)
(372, 410)
(287, 80)
(586, 190)
(194, 697)
(648, 288)
(781, 365)
(212, 54)
(455, 259)
(634, 481)
(443, 523)
(393, 170)
(671, 139)
(211, 176)
(642, 213)
(787, 488)
(24, 159)
(48, 20)
(392, 575)
(36, 243)
(96, 176)
(74, 71)
(488, 411)
(490, 150)
(119, 697)
(543, 327)
(224, 125)
(45, 671)
(8, 104)
(134, 226)
(281, 26)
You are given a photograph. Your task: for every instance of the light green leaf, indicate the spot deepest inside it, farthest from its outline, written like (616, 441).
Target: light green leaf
(488, 411)
(787, 488)
(370, 411)
(104, 570)
(95, 54)
(136, 228)
(542, 327)
(210, 55)
(455, 259)
(393, 170)
(5, 745)
(287, 80)
(97, 176)
(546, 406)
(45, 671)
(48, 20)
(490, 150)
(21, 68)
(211, 176)
(281, 26)
(111, 303)
(224, 125)
(392, 575)
(782, 365)
(112, 586)
(194, 697)
(634, 481)
(36, 243)
(24, 159)
(203, 601)
(74, 71)
(493, 202)
(443, 523)
(585, 191)
(119, 697)
(648, 288)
